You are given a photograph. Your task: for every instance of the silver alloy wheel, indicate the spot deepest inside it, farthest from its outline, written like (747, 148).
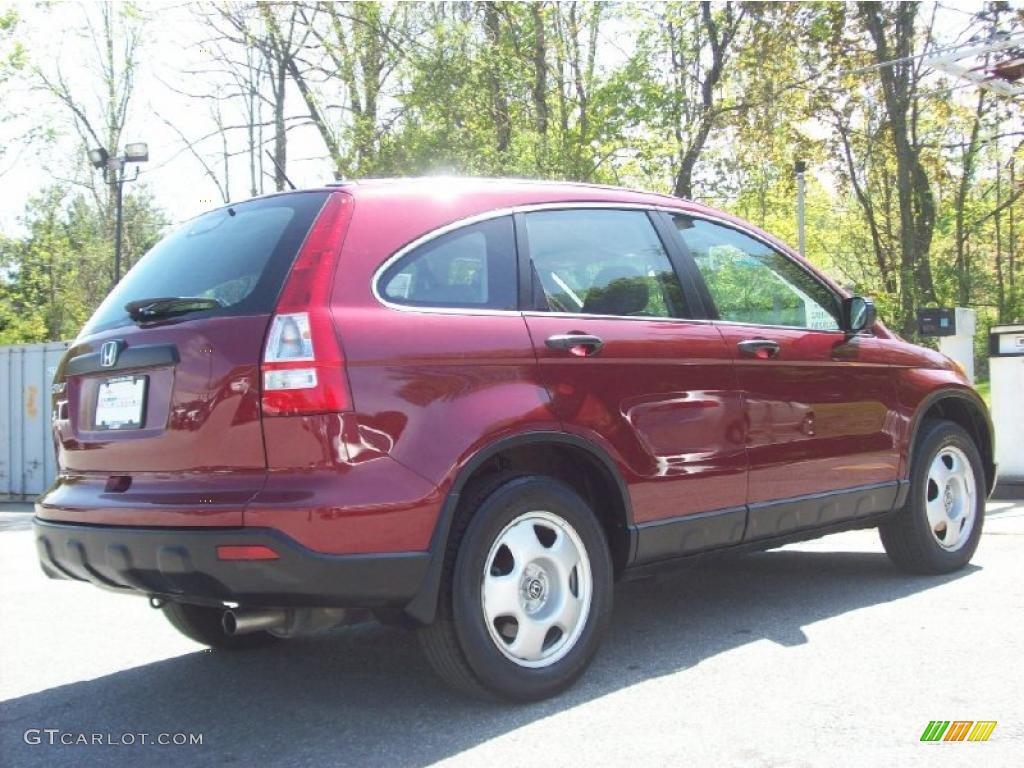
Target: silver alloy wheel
(951, 498)
(536, 589)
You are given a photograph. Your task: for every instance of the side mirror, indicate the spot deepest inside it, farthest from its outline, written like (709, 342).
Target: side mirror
(858, 314)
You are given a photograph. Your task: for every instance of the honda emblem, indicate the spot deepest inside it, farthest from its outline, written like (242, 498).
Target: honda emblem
(108, 353)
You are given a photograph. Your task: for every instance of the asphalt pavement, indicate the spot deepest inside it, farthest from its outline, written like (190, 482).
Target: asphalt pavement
(813, 655)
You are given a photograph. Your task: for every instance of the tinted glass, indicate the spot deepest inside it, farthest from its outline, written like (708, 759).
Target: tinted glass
(603, 262)
(239, 255)
(750, 282)
(472, 267)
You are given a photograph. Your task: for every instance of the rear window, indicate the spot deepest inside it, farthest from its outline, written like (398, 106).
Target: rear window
(239, 255)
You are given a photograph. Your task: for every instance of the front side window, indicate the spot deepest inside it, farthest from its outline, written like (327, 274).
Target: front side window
(472, 267)
(602, 262)
(751, 282)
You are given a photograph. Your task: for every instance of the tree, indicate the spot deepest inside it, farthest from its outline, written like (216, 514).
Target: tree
(115, 34)
(914, 193)
(354, 49)
(683, 50)
(13, 58)
(274, 30)
(893, 33)
(53, 277)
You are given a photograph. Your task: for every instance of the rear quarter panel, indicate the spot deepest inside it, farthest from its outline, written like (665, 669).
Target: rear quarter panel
(429, 388)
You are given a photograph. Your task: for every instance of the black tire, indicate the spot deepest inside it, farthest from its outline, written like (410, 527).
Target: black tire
(203, 624)
(459, 645)
(907, 535)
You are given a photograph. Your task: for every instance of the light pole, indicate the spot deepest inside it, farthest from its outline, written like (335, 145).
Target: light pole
(113, 174)
(800, 167)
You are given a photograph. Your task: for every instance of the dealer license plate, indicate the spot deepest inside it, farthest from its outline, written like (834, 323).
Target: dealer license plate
(121, 402)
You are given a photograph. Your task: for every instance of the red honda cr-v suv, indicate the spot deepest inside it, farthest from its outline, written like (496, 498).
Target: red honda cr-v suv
(469, 406)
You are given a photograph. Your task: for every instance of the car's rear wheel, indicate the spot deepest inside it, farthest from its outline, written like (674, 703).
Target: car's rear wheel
(526, 592)
(939, 528)
(203, 624)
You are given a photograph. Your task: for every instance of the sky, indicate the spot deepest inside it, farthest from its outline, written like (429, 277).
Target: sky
(174, 45)
(172, 59)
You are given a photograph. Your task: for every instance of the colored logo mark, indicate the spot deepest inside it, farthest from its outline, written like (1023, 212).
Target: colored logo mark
(958, 730)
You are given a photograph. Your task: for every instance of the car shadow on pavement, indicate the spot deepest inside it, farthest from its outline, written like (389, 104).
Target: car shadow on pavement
(365, 695)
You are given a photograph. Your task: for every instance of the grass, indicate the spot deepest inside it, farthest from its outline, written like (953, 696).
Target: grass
(985, 390)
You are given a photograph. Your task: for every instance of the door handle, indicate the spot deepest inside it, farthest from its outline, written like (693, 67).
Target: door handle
(578, 344)
(762, 349)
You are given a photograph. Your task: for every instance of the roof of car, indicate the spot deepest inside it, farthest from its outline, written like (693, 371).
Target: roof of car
(514, 191)
(456, 197)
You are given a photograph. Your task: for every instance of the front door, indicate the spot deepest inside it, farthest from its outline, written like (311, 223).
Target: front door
(820, 406)
(628, 368)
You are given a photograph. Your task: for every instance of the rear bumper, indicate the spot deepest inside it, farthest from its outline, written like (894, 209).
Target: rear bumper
(182, 564)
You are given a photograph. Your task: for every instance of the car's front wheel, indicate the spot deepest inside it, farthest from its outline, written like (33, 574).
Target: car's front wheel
(527, 592)
(939, 528)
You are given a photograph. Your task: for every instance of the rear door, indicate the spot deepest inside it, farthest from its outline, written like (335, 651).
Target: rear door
(628, 367)
(821, 410)
(159, 419)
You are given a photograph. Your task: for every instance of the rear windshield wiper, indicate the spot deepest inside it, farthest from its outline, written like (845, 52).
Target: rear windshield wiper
(150, 309)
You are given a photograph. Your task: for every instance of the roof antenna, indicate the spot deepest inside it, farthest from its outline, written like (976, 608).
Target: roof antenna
(279, 168)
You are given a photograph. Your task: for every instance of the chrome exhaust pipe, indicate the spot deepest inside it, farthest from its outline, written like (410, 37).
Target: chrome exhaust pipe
(285, 622)
(245, 622)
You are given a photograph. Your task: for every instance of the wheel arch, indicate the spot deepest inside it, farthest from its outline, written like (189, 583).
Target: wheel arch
(962, 407)
(580, 463)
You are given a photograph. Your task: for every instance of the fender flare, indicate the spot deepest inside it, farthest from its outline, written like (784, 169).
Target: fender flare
(979, 414)
(423, 607)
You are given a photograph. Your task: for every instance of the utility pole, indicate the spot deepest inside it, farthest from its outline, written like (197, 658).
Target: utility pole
(800, 167)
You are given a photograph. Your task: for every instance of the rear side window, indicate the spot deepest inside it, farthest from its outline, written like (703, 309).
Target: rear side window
(603, 262)
(473, 267)
(239, 255)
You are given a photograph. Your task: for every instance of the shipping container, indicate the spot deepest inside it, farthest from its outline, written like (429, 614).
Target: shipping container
(27, 461)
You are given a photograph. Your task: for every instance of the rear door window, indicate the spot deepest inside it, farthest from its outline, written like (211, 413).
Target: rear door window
(603, 262)
(473, 267)
(239, 255)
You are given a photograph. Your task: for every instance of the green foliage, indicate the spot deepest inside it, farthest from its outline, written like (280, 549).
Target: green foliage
(985, 390)
(715, 100)
(53, 277)
(797, 81)
(13, 56)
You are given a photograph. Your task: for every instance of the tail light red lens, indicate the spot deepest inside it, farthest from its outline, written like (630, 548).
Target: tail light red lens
(246, 552)
(303, 366)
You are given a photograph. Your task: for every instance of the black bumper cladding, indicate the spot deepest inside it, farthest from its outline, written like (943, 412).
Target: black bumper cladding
(182, 564)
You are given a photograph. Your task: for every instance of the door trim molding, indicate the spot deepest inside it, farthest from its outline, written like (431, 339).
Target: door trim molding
(765, 523)
(768, 519)
(665, 539)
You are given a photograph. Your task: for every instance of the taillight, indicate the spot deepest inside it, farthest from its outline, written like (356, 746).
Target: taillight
(303, 366)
